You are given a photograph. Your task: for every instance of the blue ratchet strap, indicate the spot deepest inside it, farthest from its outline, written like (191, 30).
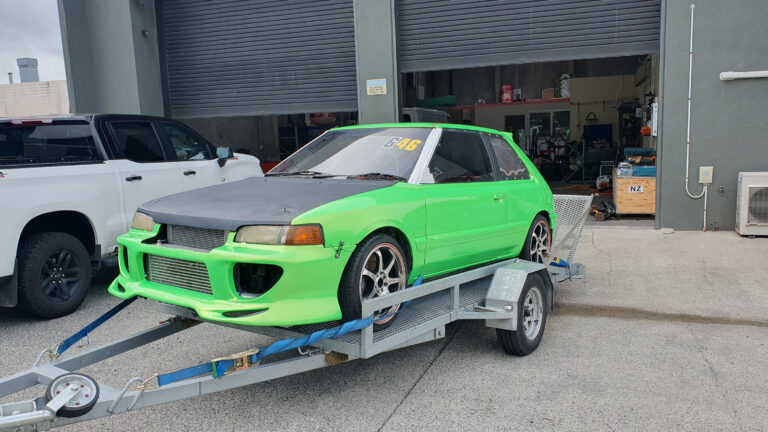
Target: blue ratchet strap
(68, 342)
(219, 368)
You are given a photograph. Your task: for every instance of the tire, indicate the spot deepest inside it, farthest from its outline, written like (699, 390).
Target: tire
(45, 289)
(538, 242)
(528, 335)
(83, 402)
(375, 281)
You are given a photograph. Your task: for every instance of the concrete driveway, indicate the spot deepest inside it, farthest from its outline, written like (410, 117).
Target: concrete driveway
(668, 332)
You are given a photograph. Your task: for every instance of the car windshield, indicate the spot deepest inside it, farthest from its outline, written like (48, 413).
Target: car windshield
(365, 153)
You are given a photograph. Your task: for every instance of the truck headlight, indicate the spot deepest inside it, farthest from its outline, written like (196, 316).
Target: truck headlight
(289, 235)
(143, 221)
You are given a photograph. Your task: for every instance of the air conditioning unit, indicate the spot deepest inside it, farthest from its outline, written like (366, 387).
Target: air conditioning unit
(752, 204)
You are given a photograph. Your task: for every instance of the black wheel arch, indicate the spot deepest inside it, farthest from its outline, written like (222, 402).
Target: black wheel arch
(401, 238)
(70, 222)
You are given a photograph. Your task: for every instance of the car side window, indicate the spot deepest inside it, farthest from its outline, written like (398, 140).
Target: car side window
(510, 165)
(188, 146)
(460, 157)
(137, 141)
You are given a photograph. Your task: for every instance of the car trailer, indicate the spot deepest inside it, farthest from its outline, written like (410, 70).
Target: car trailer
(512, 296)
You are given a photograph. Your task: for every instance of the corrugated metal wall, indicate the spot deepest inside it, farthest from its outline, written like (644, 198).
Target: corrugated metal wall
(448, 34)
(226, 58)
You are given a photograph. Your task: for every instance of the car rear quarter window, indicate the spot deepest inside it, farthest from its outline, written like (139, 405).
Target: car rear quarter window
(137, 141)
(510, 165)
(461, 157)
(46, 144)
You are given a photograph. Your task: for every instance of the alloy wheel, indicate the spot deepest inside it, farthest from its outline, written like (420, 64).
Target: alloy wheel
(60, 275)
(540, 242)
(533, 311)
(383, 273)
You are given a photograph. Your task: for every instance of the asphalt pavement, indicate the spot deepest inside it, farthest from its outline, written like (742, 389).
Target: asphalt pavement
(667, 332)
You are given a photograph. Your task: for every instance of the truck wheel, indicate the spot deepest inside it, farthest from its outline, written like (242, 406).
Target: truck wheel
(531, 319)
(54, 274)
(376, 268)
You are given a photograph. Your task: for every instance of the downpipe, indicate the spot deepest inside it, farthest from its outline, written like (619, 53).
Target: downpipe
(688, 128)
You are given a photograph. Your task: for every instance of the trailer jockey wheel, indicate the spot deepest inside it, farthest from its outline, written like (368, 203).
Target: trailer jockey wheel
(83, 402)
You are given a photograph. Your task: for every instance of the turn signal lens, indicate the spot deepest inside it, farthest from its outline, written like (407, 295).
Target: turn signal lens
(143, 221)
(303, 235)
(291, 235)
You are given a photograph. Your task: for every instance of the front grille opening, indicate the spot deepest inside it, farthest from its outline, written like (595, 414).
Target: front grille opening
(244, 313)
(124, 258)
(253, 280)
(191, 275)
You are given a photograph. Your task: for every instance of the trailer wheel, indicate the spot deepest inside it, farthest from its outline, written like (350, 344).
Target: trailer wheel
(80, 404)
(531, 319)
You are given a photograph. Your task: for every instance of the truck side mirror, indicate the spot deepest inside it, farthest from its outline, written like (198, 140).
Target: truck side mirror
(223, 153)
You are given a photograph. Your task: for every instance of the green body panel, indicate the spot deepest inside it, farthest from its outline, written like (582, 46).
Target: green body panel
(447, 227)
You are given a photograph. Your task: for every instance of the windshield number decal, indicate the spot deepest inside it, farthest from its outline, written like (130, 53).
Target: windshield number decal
(406, 144)
(392, 142)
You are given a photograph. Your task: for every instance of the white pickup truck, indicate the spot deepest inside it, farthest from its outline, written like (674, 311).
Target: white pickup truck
(70, 185)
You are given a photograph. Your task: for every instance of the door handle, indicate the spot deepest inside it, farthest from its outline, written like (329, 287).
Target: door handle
(133, 177)
(190, 172)
(499, 196)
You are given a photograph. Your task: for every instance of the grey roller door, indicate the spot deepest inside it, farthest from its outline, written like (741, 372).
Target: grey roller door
(226, 58)
(448, 34)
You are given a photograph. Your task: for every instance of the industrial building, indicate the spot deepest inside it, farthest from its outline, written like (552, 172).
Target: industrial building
(576, 81)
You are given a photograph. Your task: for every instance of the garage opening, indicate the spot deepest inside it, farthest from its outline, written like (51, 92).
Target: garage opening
(588, 125)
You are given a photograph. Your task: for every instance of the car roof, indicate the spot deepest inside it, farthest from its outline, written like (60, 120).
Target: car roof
(423, 125)
(81, 117)
(54, 117)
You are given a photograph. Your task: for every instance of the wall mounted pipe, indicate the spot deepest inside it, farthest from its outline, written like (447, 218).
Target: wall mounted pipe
(688, 122)
(730, 76)
(688, 128)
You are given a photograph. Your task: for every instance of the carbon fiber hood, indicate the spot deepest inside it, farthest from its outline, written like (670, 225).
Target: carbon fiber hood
(253, 201)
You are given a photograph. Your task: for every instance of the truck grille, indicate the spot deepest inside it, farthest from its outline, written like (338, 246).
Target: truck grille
(179, 273)
(198, 238)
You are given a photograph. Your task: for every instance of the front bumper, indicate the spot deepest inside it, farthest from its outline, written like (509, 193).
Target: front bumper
(306, 293)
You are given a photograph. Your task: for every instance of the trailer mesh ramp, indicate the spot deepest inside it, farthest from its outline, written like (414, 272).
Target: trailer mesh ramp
(572, 211)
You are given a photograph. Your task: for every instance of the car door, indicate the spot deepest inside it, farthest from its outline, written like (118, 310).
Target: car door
(197, 162)
(519, 187)
(466, 209)
(145, 168)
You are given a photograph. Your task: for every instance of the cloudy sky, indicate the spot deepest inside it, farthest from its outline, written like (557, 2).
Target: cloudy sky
(30, 28)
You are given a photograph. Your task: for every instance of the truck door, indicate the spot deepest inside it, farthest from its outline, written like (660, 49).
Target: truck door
(145, 170)
(197, 162)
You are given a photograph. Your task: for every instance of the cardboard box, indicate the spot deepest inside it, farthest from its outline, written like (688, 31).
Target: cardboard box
(548, 93)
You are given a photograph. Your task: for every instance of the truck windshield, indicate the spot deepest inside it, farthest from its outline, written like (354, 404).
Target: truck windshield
(46, 144)
(365, 153)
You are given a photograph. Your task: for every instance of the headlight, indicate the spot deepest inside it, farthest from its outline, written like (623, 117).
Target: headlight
(143, 221)
(290, 235)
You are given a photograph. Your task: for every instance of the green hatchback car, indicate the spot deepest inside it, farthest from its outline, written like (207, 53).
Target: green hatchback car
(357, 213)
